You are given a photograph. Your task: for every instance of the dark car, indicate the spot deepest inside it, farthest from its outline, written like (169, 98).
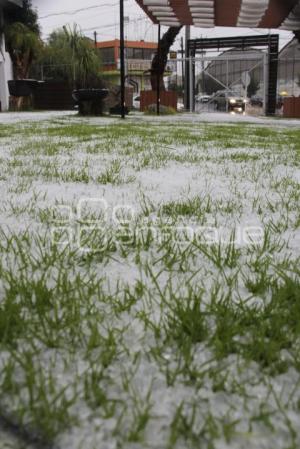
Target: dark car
(226, 100)
(203, 98)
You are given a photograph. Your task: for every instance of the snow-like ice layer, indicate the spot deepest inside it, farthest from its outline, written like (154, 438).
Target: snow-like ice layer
(222, 180)
(203, 117)
(7, 118)
(220, 117)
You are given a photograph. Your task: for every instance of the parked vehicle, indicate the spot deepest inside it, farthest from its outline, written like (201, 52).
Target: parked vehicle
(180, 105)
(226, 100)
(203, 98)
(137, 102)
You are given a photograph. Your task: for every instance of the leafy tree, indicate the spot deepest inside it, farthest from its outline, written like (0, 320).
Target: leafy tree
(70, 56)
(23, 43)
(26, 15)
(23, 46)
(22, 36)
(161, 57)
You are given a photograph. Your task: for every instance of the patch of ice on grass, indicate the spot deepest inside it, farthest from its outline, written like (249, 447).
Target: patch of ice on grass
(222, 180)
(217, 118)
(8, 118)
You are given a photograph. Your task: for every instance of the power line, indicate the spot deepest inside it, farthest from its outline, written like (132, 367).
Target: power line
(107, 26)
(76, 11)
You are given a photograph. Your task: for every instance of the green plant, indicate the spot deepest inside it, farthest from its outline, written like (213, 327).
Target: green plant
(70, 56)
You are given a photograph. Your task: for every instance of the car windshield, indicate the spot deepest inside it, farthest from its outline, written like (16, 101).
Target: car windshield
(233, 94)
(222, 94)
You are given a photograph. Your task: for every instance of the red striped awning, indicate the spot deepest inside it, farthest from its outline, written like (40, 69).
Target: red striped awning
(283, 14)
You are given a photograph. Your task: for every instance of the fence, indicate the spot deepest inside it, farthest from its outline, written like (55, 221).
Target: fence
(53, 95)
(167, 98)
(244, 73)
(212, 73)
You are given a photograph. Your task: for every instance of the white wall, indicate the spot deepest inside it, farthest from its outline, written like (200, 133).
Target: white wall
(6, 74)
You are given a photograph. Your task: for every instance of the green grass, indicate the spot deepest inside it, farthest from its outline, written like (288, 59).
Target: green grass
(148, 335)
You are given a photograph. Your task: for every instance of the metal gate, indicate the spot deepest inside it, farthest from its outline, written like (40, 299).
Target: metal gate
(237, 82)
(229, 82)
(241, 44)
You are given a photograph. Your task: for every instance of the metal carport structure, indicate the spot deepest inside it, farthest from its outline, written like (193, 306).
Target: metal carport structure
(269, 14)
(228, 13)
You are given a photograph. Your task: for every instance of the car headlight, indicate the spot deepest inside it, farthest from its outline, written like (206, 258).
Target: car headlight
(232, 101)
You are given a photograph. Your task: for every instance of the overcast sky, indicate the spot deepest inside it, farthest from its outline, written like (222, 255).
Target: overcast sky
(103, 16)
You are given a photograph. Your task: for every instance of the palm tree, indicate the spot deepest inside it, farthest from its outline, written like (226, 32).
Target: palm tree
(85, 61)
(23, 46)
(22, 36)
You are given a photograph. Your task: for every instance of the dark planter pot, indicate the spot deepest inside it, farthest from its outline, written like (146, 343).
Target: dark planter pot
(89, 94)
(23, 88)
(90, 101)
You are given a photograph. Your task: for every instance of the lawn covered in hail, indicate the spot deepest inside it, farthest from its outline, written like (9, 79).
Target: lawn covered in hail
(149, 292)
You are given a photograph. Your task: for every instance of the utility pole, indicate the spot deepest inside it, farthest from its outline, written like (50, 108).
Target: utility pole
(95, 38)
(126, 23)
(187, 86)
(122, 59)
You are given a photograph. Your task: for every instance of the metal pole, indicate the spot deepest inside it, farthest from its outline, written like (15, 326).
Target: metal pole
(187, 68)
(158, 77)
(266, 82)
(227, 85)
(293, 92)
(191, 85)
(122, 59)
(182, 65)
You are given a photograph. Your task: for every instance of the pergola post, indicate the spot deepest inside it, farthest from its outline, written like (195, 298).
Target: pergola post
(158, 74)
(191, 84)
(122, 59)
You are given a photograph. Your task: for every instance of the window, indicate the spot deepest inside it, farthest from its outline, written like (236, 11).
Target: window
(149, 53)
(130, 53)
(138, 53)
(107, 55)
